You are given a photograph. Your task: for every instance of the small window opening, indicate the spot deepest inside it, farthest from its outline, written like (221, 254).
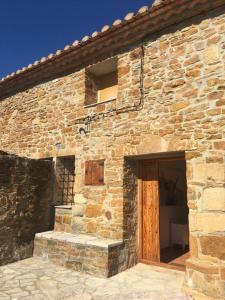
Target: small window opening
(101, 82)
(65, 178)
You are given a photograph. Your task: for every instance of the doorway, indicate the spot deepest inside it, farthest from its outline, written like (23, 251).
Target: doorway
(164, 236)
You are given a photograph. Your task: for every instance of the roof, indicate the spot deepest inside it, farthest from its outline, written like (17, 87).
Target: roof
(132, 28)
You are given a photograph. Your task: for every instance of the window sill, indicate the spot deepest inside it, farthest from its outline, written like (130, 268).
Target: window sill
(98, 103)
(63, 206)
(100, 184)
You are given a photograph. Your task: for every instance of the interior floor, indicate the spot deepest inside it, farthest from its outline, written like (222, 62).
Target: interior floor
(176, 255)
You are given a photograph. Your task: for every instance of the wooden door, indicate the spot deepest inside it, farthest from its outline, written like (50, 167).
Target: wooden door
(150, 245)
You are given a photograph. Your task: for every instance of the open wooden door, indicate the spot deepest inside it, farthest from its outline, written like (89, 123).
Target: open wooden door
(149, 227)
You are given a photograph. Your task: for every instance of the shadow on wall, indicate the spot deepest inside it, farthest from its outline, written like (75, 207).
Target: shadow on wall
(26, 204)
(130, 210)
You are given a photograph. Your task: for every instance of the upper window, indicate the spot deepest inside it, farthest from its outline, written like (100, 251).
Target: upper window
(101, 82)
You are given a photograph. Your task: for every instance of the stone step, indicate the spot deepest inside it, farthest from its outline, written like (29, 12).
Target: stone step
(82, 253)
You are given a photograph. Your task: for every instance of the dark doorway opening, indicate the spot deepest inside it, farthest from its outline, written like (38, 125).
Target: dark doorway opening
(173, 212)
(164, 235)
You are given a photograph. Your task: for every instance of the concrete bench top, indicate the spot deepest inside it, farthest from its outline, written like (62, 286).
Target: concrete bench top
(79, 239)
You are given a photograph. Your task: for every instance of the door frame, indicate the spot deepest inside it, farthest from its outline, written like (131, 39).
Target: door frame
(140, 212)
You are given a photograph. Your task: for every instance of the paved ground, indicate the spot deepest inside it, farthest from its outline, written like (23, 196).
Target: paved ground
(33, 279)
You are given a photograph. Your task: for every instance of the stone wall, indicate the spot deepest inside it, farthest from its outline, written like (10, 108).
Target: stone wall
(25, 205)
(130, 211)
(183, 110)
(91, 92)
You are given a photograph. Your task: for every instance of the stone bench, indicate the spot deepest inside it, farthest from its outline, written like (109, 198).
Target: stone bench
(82, 253)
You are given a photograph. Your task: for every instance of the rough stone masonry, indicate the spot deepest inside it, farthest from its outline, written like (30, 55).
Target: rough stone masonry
(26, 207)
(183, 110)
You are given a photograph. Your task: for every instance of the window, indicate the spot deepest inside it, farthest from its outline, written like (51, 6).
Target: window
(65, 178)
(94, 172)
(101, 82)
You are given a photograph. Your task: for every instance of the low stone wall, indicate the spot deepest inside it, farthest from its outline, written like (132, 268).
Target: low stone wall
(26, 189)
(82, 253)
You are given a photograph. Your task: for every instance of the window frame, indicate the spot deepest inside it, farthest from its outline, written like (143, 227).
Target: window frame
(94, 75)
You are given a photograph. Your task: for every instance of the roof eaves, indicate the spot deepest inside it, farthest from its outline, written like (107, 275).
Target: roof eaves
(130, 17)
(164, 10)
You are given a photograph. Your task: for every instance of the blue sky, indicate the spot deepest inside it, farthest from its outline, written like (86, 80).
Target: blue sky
(31, 29)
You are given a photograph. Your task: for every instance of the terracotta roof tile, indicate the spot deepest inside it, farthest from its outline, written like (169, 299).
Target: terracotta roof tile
(129, 16)
(143, 9)
(75, 43)
(105, 28)
(157, 2)
(117, 22)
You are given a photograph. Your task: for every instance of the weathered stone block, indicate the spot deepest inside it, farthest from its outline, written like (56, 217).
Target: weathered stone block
(214, 199)
(78, 210)
(193, 246)
(199, 172)
(206, 222)
(78, 225)
(222, 273)
(67, 219)
(211, 54)
(213, 171)
(179, 105)
(93, 210)
(213, 246)
(203, 280)
(91, 227)
(80, 199)
(202, 267)
(220, 145)
(63, 218)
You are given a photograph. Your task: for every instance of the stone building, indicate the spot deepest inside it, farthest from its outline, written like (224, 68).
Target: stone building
(134, 118)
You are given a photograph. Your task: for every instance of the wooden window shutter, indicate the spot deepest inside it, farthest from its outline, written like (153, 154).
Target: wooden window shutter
(101, 172)
(94, 172)
(88, 173)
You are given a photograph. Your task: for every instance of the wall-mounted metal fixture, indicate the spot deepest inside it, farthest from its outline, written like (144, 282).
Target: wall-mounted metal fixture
(82, 131)
(58, 146)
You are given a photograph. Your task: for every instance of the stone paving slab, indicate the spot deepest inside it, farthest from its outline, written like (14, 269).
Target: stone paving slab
(35, 279)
